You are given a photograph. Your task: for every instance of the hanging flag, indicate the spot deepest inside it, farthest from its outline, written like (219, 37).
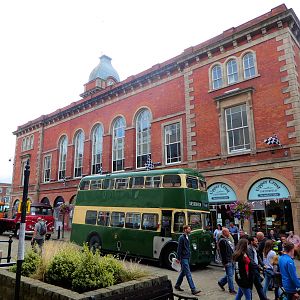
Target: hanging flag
(100, 170)
(149, 164)
(272, 140)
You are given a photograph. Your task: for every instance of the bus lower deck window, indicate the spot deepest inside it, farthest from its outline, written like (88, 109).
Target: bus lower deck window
(136, 182)
(152, 182)
(192, 182)
(103, 218)
(150, 221)
(90, 217)
(133, 220)
(117, 219)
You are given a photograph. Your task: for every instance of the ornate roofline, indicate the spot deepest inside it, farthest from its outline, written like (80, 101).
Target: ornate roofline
(277, 17)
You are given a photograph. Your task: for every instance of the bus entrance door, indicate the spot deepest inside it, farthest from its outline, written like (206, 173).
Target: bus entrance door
(166, 219)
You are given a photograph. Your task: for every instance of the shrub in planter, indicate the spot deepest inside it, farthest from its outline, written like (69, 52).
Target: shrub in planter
(62, 266)
(92, 273)
(30, 264)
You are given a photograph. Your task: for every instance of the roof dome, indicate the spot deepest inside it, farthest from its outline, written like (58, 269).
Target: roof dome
(104, 70)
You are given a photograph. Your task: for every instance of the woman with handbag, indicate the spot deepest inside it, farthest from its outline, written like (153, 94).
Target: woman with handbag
(243, 270)
(268, 255)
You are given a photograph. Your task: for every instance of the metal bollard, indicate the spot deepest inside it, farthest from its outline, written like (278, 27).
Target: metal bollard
(10, 240)
(58, 233)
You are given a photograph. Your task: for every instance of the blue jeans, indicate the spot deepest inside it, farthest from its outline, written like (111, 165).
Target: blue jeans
(243, 291)
(228, 278)
(268, 279)
(185, 271)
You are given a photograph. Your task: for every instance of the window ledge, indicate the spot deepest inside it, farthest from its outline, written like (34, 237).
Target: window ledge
(232, 84)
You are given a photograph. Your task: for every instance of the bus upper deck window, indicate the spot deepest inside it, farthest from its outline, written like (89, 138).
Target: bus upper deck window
(96, 184)
(192, 182)
(179, 221)
(84, 185)
(136, 182)
(90, 217)
(171, 181)
(106, 184)
(121, 183)
(152, 182)
(202, 184)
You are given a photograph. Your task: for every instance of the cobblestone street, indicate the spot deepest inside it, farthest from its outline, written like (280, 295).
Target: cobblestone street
(205, 279)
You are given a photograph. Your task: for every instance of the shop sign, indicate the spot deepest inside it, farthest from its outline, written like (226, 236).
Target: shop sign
(221, 192)
(268, 189)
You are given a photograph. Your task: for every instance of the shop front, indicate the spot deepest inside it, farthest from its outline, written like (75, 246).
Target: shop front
(271, 206)
(220, 196)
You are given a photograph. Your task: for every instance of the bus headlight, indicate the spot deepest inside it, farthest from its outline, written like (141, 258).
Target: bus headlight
(194, 245)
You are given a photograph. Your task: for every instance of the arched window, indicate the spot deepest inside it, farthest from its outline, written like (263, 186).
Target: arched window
(28, 143)
(31, 142)
(24, 144)
(232, 71)
(216, 75)
(97, 146)
(63, 144)
(249, 65)
(143, 138)
(118, 144)
(78, 157)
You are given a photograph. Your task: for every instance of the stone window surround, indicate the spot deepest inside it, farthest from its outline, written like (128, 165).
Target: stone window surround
(237, 97)
(163, 141)
(240, 67)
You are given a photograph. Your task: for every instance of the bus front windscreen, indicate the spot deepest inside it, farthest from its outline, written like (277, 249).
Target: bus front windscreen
(195, 220)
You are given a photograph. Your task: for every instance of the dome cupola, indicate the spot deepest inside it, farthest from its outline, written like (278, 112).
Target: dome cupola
(104, 70)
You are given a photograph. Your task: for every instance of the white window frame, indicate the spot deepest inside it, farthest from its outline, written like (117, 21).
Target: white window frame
(232, 71)
(217, 82)
(78, 154)
(47, 168)
(63, 152)
(97, 148)
(118, 143)
(243, 128)
(168, 143)
(249, 67)
(143, 136)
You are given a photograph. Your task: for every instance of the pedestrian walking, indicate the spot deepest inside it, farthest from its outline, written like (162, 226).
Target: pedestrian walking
(261, 243)
(257, 266)
(268, 256)
(183, 256)
(234, 231)
(40, 230)
(217, 232)
(226, 247)
(287, 267)
(243, 270)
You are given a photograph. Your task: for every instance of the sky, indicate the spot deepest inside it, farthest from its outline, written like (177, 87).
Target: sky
(48, 48)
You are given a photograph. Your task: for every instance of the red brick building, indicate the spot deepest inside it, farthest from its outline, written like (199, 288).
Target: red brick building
(209, 108)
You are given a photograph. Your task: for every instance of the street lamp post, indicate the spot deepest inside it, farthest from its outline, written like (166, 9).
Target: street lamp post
(21, 244)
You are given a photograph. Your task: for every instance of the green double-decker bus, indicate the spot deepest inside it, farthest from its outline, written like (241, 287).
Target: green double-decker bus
(142, 214)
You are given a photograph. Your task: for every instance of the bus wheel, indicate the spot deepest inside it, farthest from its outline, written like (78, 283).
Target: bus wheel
(169, 254)
(94, 242)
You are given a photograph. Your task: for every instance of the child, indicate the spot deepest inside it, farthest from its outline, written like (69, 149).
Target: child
(277, 276)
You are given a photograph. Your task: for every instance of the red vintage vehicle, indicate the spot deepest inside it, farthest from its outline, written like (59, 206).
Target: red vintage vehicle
(34, 211)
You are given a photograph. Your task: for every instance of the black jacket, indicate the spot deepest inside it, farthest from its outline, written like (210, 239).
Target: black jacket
(261, 247)
(225, 250)
(243, 279)
(251, 256)
(183, 250)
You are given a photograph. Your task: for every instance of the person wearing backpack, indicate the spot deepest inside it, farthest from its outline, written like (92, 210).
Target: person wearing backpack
(40, 230)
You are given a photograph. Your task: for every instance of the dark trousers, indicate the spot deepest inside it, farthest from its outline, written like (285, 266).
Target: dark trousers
(258, 285)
